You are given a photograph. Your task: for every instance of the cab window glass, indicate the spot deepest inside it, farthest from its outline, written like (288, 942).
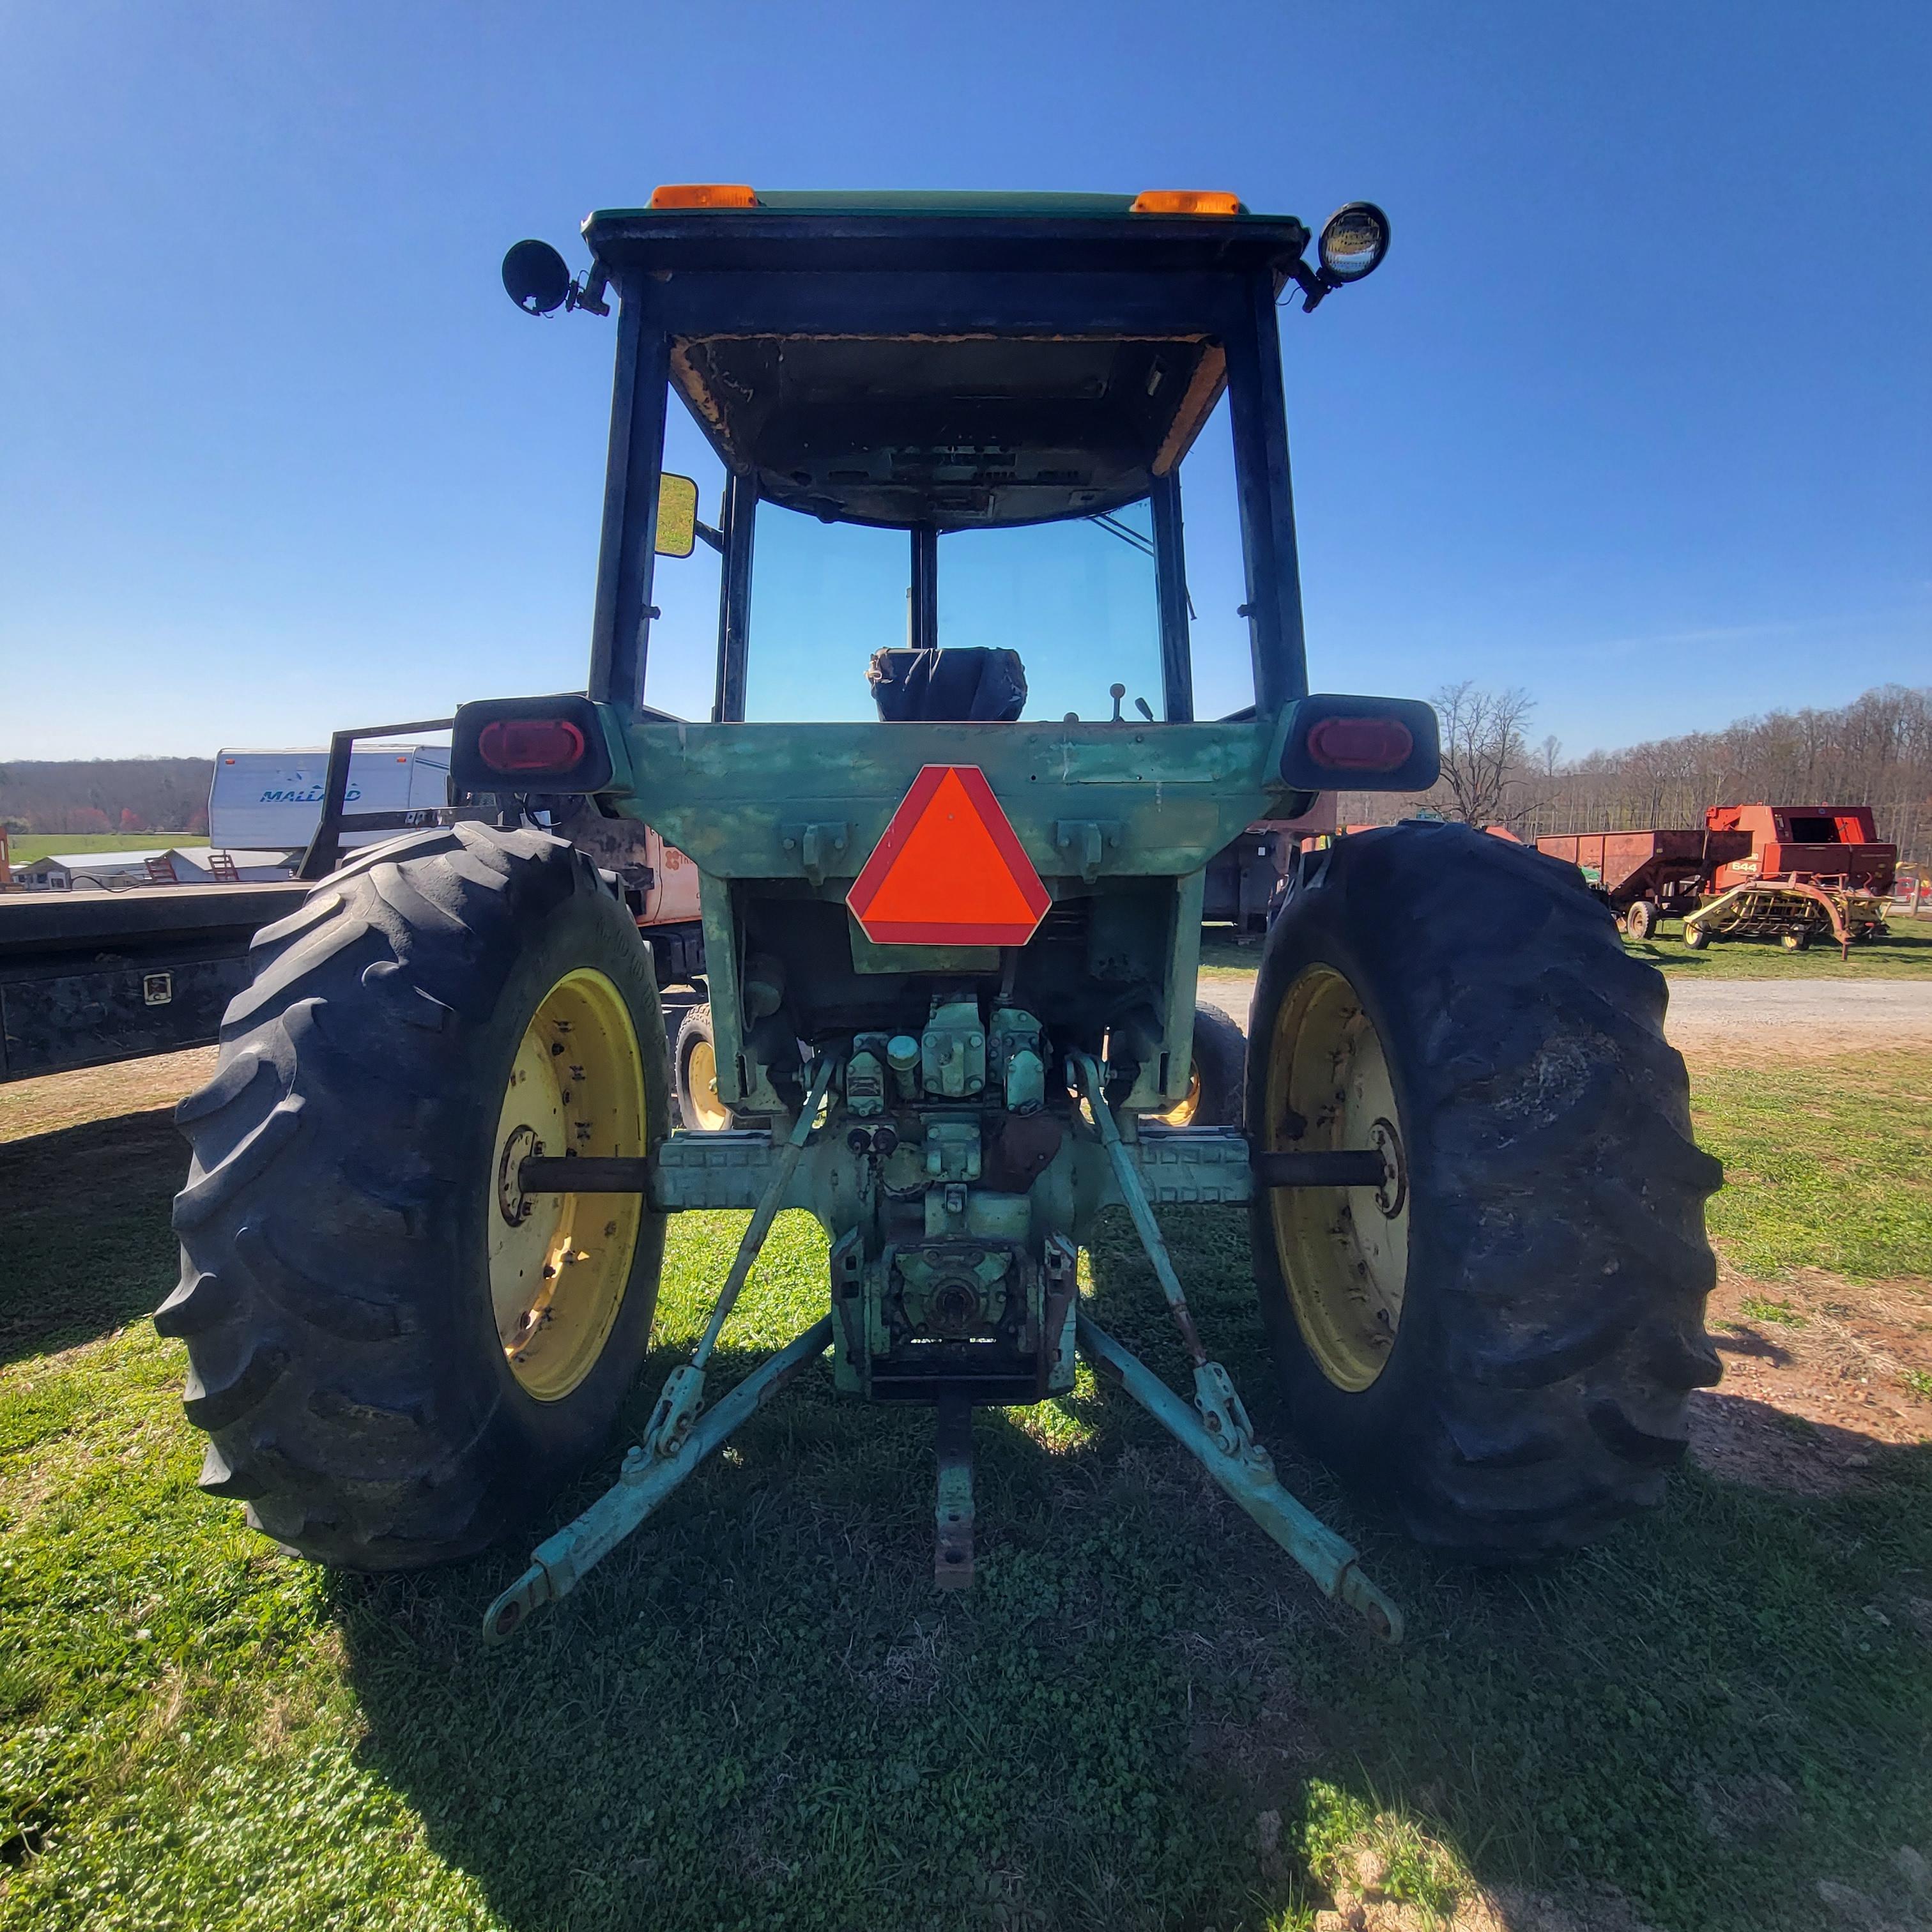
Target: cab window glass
(824, 598)
(1217, 583)
(1075, 599)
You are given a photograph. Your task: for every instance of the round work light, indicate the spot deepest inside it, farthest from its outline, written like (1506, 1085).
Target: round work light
(1355, 239)
(536, 278)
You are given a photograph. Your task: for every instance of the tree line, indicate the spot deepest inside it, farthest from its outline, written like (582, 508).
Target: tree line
(1876, 751)
(132, 795)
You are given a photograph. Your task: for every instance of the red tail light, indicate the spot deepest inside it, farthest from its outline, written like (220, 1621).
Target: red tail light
(531, 745)
(1361, 744)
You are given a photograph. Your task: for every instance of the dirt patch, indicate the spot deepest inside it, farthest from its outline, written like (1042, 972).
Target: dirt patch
(911, 1671)
(1750, 1020)
(1364, 1907)
(57, 1100)
(1821, 1374)
(1903, 1902)
(1265, 1746)
(1369, 1896)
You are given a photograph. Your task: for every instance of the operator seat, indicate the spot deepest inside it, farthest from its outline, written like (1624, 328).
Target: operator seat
(968, 685)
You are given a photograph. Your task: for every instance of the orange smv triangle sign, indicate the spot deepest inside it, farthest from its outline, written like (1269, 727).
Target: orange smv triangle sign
(948, 870)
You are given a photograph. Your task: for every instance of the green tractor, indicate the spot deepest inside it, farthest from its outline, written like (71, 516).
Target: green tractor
(952, 951)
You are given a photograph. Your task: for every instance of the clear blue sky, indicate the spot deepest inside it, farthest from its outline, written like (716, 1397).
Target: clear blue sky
(1638, 415)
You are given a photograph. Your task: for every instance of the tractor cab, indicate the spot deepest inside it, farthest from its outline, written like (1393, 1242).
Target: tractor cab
(952, 429)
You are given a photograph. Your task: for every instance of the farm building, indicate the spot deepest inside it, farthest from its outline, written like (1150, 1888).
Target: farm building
(173, 865)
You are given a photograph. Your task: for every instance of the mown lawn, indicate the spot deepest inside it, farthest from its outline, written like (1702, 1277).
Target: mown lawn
(759, 1715)
(1827, 1164)
(1904, 953)
(24, 846)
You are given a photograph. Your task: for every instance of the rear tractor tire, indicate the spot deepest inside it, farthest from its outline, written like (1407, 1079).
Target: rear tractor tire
(396, 1353)
(1501, 1339)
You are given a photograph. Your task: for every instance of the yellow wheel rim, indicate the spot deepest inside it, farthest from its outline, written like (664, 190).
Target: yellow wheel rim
(700, 1082)
(1182, 1114)
(559, 1263)
(1343, 1251)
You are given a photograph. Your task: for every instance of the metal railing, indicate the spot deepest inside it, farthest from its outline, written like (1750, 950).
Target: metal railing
(324, 849)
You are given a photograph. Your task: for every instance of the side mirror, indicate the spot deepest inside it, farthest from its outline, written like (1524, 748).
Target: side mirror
(677, 515)
(536, 278)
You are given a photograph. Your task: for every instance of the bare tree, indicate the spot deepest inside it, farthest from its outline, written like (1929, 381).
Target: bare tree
(1876, 751)
(1483, 751)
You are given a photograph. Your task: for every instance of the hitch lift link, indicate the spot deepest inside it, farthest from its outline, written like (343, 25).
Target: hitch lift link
(1214, 1429)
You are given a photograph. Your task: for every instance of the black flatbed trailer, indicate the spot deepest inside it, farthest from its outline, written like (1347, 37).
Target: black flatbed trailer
(87, 978)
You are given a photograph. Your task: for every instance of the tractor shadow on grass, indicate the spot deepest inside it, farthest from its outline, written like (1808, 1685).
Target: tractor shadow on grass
(758, 1711)
(85, 1234)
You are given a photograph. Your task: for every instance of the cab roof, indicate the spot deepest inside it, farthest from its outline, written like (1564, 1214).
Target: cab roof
(956, 402)
(907, 228)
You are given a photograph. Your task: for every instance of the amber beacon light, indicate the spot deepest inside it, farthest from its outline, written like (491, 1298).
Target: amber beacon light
(704, 194)
(1186, 201)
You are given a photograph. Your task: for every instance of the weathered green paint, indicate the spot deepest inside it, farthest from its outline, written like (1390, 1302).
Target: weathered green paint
(736, 797)
(756, 804)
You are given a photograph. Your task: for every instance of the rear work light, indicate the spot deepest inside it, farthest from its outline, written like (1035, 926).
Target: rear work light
(1361, 744)
(1332, 743)
(703, 194)
(531, 745)
(1186, 201)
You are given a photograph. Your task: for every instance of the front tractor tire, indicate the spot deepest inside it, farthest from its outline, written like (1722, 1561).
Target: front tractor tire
(1502, 1338)
(694, 1062)
(396, 1354)
(1216, 1075)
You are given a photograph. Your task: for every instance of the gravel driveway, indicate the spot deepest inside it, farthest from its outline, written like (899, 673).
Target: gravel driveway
(1803, 1018)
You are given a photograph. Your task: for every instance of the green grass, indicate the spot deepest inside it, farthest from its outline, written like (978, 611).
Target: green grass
(24, 846)
(1223, 955)
(757, 1714)
(1827, 1164)
(1759, 1308)
(1904, 953)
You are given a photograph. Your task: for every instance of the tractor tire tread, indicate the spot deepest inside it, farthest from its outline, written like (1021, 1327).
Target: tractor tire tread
(1549, 1133)
(315, 1215)
(1221, 1058)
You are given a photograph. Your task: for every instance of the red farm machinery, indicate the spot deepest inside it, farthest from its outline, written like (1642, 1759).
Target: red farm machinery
(1793, 873)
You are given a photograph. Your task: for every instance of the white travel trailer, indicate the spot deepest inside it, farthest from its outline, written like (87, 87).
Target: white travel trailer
(272, 800)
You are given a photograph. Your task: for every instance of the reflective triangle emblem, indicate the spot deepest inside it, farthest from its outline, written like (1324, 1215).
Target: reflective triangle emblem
(948, 870)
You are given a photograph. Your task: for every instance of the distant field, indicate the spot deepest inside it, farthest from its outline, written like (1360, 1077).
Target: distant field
(27, 846)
